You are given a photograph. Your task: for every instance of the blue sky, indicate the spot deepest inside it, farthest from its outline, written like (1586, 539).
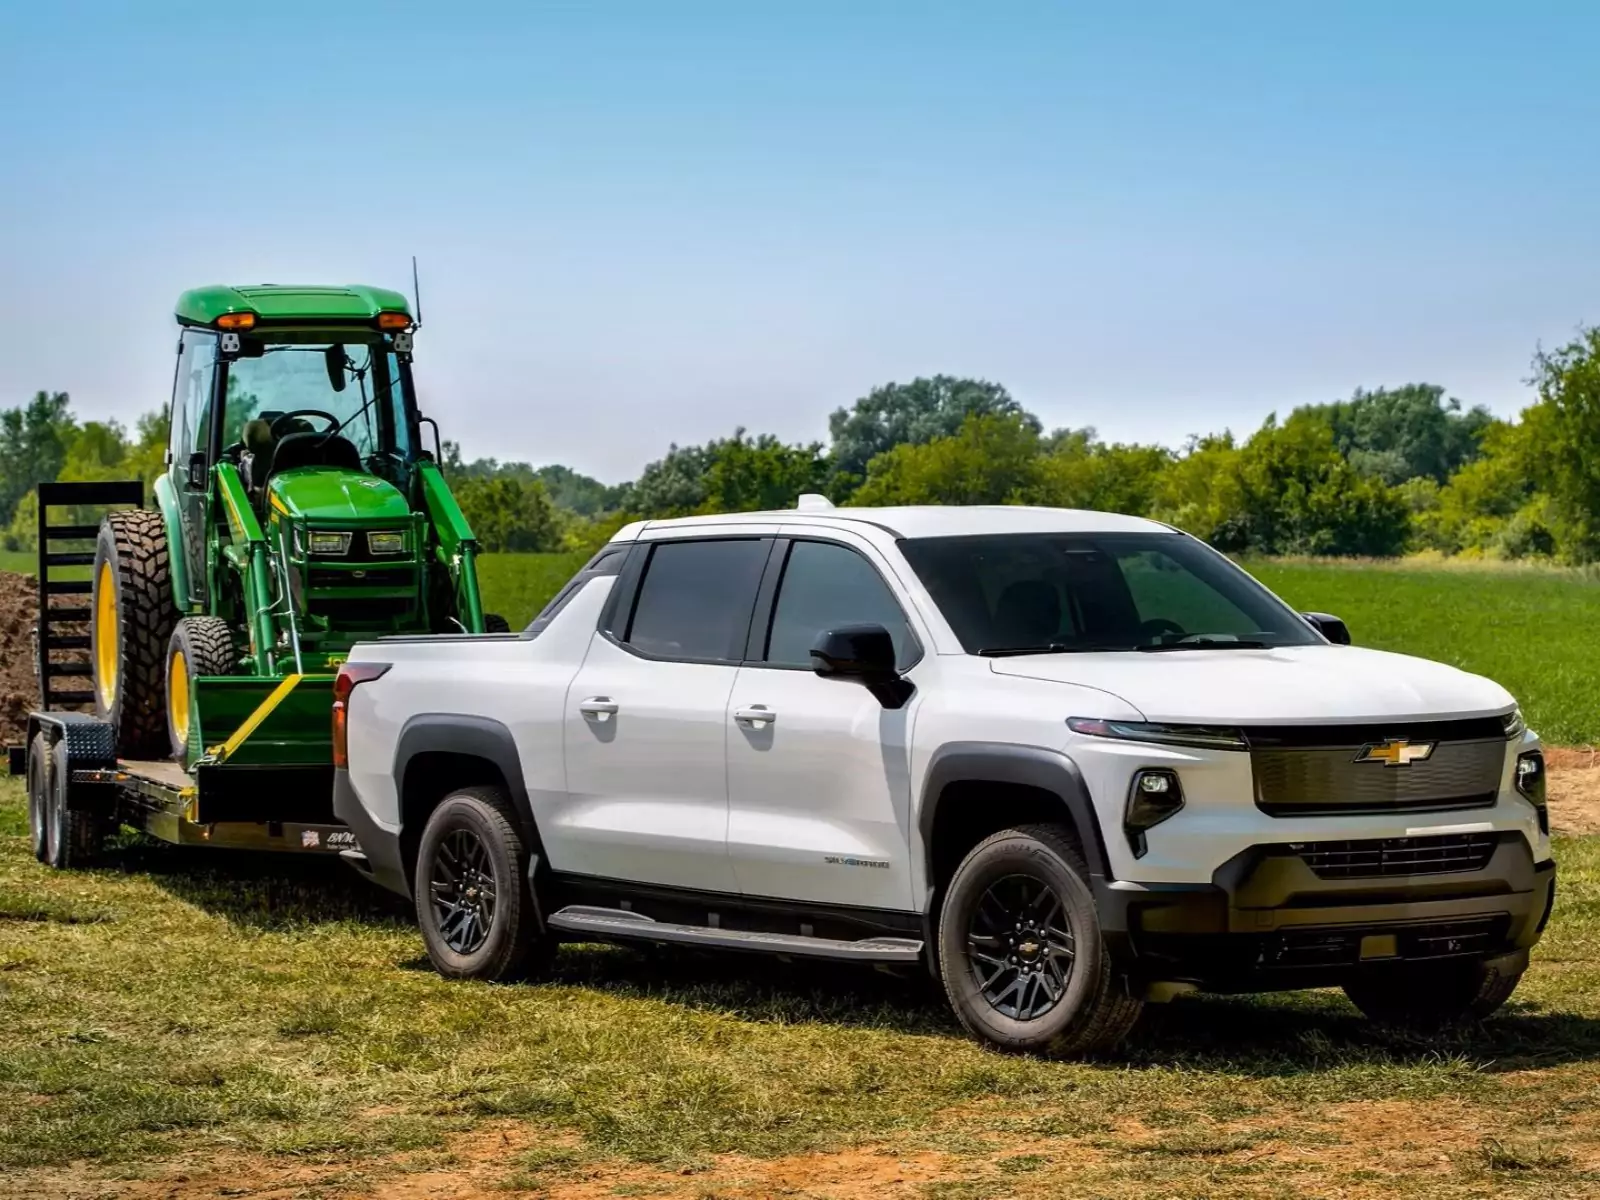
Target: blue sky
(650, 222)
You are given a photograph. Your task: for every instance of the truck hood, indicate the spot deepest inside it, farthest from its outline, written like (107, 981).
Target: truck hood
(1285, 686)
(336, 494)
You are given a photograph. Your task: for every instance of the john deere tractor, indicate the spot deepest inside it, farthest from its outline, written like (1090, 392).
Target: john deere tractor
(301, 512)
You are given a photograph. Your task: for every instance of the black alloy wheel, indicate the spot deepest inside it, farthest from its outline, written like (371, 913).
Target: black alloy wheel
(1021, 947)
(463, 887)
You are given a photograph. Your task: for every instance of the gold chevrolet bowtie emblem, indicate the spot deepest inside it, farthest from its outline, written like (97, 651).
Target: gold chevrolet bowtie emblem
(1395, 752)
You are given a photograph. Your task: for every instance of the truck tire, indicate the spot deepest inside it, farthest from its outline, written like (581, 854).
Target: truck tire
(1020, 950)
(72, 839)
(495, 623)
(199, 646)
(39, 796)
(1430, 996)
(474, 905)
(131, 619)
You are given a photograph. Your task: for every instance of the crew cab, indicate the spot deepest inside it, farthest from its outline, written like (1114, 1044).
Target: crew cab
(1069, 762)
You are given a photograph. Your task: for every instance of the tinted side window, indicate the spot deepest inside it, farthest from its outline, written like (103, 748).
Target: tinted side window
(825, 586)
(191, 395)
(695, 598)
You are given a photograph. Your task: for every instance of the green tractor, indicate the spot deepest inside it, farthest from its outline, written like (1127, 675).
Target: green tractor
(300, 513)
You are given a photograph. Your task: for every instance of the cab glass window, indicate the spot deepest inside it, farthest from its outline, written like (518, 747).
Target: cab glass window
(824, 586)
(695, 599)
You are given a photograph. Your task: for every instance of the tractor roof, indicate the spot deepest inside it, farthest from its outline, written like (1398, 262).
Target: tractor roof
(290, 303)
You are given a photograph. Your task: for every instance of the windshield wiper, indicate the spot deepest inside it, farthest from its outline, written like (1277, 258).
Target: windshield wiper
(1051, 648)
(1205, 643)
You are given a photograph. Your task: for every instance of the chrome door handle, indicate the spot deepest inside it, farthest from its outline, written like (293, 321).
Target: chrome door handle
(757, 716)
(601, 708)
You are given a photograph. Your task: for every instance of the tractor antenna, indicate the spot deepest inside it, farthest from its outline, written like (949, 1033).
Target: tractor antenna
(416, 292)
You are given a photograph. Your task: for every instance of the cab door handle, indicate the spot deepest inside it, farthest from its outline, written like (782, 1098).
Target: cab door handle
(601, 708)
(757, 716)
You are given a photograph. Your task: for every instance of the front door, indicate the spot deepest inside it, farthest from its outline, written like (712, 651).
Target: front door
(191, 427)
(818, 770)
(646, 723)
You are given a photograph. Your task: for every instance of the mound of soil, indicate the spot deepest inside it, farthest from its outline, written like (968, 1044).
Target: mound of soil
(19, 684)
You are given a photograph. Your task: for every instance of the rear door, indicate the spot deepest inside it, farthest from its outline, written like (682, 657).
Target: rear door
(818, 770)
(646, 723)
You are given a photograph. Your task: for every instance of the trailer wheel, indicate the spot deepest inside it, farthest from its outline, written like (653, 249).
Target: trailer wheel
(39, 796)
(133, 615)
(495, 623)
(72, 839)
(474, 903)
(199, 646)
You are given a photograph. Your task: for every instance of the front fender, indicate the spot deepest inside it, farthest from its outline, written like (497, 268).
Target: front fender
(177, 556)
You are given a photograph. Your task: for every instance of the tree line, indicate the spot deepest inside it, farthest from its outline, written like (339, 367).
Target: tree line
(1382, 473)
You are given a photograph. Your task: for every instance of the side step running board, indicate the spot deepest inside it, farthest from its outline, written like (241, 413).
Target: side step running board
(618, 923)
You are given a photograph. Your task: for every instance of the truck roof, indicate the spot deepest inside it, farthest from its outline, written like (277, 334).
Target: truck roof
(356, 303)
(929, 520)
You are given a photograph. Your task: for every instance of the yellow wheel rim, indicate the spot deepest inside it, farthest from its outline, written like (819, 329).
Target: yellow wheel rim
(105, 636)
(178, 697)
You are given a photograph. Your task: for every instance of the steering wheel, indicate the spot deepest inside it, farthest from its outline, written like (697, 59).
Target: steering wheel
(332, 420)
(1157, 626)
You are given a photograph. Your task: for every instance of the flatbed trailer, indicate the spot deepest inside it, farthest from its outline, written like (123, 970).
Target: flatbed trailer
(79, 792)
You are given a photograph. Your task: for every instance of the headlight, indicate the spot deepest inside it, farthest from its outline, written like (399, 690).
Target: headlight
(1205, 736)
(386, 543)
(327, 544)
(1513, 724)
(1154, 795)
(1531, 783)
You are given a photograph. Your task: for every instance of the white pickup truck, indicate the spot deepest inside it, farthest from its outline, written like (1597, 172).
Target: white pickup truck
(1067, 761)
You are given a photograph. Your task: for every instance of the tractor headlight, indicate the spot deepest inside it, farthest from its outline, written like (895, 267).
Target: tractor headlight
(388, 542)
(329, 543)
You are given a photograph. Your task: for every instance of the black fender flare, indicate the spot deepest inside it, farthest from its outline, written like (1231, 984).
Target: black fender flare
(1032, 766)
(476, 737)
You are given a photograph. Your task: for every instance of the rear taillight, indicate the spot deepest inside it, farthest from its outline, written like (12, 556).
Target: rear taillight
(344, 683)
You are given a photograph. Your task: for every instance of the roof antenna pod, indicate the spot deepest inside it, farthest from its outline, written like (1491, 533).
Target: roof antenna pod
(812, 502)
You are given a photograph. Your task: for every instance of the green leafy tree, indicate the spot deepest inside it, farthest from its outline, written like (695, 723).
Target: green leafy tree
(1395, 434)
(992, 459)
(1202, 492)
(508, 514)
(1566, 422)
(33, 445)
(902, 414)
(1084, 473)
(577, 492)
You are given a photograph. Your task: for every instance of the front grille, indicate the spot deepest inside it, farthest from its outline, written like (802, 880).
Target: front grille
(1467, 936)
(371, 577)
(1380, 858)
(1316, 771)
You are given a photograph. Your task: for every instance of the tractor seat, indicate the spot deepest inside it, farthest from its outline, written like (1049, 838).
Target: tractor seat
(305, 450)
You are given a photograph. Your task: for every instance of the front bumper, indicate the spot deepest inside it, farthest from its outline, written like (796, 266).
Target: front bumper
(1267, 921)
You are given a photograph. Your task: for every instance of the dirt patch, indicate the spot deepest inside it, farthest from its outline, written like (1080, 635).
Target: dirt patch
(1574, 788)
(19, 679)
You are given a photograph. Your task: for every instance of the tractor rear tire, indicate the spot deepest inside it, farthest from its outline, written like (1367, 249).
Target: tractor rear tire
(495, 623)
(199, 646)
(131, 619)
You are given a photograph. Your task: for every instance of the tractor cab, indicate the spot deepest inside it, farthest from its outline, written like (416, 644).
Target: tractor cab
(298, 515)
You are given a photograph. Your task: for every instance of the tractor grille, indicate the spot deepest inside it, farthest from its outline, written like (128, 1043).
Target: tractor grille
(1381, 858)
(1316, 772)
(372, 577)
(1475, 936)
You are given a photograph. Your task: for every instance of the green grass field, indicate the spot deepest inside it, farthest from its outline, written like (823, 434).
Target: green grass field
(177, 1017)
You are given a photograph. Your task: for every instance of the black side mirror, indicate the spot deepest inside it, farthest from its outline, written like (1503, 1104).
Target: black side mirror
(1330, 627)
(198, 466)
(864, 653)
(334, 358)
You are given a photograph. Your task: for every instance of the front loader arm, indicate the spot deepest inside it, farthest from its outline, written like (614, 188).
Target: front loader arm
(246, 533)
(458, 549)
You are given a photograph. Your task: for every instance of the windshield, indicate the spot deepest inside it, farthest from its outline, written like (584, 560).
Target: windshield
(1061, 592)
(288, 377)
